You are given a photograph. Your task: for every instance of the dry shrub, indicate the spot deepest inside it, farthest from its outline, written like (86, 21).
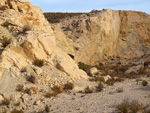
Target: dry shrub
(49, 94)
(120, 79)
(5, 24)
(97, 79)
(33, 90)
(123, 107)
(88, 90)
(110, 82)
(142, 71)
(5, 42)
(135, 106)
(57, 89)
(47, 109)
(26, 28)
(26, 90)
(144, 83)
(17, 111)
(3, 110)
(68, 86)
(6, 101)
(100, 87)
(129, 107)
(38, 62)
(32, 79)
(19, 87)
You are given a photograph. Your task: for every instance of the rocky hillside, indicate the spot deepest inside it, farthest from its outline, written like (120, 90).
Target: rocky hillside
(101, 35)
(28, 52)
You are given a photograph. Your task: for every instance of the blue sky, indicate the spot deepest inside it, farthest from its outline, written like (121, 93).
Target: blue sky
(88, 5)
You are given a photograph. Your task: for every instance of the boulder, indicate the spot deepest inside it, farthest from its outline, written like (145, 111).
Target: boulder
(106, 77)
(93, 70)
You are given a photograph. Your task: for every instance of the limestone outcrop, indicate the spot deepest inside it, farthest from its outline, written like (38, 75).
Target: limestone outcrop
(31, 37)
(101, 35)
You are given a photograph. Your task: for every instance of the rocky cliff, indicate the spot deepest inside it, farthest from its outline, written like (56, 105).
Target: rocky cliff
(26, 36)
(101, 35)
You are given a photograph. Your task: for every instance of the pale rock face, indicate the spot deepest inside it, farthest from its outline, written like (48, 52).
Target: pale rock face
(36, 42)
(107, 78)
(93, 70)
(103, 35)
(1, 99)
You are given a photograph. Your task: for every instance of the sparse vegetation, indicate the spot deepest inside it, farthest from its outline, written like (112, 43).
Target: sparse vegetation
(5, 24)
(142, 71)
(38, 62)
(6, 101)
(146, 111)
(129, 107)
(33, 90)
(32, 79)
(97, 79)
(17, 111)
(110, 82)
(47, 109)
(49, 94)
(3, 110)
(100, 87)
(119, 79)
(5, 42)
(19, 87)
(123, 107)
(56, 17)
(82, 66)
(26, 90)
(57, 89)
(68, 86)
(144, 83)
(26, 28)
(88, 90)
(135, 106)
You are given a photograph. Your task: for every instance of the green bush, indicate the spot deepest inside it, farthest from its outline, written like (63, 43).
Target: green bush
(88, 90)
(38, 62)
(5, 42)
(144, 83)
(82, 66)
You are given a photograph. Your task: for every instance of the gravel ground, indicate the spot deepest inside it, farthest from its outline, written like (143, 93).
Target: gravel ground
(102, 102)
